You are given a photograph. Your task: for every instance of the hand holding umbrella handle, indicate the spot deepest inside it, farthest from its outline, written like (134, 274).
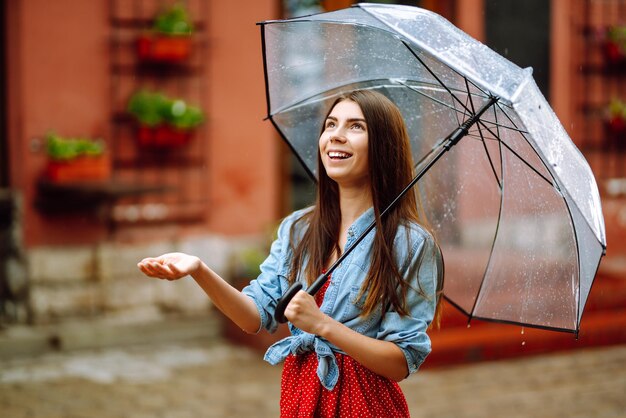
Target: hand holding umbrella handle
(279, 315)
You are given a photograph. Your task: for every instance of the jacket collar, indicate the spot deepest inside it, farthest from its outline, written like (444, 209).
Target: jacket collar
(362, 222)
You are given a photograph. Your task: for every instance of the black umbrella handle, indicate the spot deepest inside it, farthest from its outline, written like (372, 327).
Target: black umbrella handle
(279, 314)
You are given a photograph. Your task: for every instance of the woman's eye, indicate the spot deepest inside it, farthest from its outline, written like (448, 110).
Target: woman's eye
(330, 124)
(358, 126)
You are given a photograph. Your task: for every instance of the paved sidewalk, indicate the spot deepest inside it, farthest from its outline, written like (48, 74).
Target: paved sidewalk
(208, 379)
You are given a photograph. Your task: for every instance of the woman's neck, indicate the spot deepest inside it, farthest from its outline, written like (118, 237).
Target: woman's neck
(353, 202)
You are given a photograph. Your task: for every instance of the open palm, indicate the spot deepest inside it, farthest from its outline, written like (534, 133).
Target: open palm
(170, 266)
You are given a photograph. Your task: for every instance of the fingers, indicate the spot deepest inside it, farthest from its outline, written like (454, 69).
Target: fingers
(298, 304)
(170, 266)
(159, 269)
(303, 312)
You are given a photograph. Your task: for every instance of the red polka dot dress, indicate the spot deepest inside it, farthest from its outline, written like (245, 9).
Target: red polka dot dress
(359, 392)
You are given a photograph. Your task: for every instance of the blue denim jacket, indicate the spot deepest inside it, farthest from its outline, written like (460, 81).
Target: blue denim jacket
(419, 259)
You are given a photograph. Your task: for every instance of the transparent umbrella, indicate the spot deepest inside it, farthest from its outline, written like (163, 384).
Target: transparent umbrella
(513, 204)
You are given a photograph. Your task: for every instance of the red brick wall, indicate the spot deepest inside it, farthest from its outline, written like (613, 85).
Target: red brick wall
(58, 78)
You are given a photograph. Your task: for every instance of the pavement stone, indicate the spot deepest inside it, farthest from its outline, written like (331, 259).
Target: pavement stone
(211, 378)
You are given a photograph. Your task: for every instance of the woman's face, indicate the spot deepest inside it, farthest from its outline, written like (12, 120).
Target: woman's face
(343, 145)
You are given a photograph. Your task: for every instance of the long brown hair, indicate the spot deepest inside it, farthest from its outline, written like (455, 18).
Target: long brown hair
(390, 170)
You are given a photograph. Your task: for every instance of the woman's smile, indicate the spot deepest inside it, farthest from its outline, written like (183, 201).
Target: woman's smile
(344, 145)
(338, 155)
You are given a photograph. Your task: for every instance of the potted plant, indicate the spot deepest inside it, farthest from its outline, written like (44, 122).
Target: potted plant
(244, 268)
(163, 122)
(616, 122)
(614, 47)
(76, 159)
(169, 41)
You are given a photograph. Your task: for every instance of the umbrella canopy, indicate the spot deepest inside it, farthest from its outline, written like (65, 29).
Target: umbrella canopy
(514, 205)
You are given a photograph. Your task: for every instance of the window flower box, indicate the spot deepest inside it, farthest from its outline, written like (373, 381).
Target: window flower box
(163, 136)
(86, 168)
(163, 122)
(170, 40)
(164, 49)
(76, 160)
(614, 47)
(615, 123)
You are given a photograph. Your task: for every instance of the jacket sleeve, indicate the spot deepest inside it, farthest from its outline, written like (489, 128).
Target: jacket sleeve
(422, 269)
(267, 289)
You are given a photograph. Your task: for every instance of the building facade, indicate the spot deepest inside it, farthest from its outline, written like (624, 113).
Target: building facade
(71, 68)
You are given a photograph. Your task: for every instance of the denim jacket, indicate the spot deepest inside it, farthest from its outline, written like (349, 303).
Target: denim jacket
(419, 260)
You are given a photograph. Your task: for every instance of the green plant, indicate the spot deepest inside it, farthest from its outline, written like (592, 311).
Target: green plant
(174, 21)
(154, 108)
(617, 109)
(617, 35)
(63, 149)
(247, 263)
(615, 46)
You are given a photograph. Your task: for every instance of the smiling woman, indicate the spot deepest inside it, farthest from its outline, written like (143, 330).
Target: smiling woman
(344, 145)
(365, 329)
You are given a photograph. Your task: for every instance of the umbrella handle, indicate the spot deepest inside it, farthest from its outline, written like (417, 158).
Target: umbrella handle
(279, 314)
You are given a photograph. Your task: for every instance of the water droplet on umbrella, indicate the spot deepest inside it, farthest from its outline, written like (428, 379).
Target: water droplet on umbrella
(523, 342)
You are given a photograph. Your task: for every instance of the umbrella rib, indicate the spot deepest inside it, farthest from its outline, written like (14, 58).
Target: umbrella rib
(501, 177)
(500, 188)
(482, 122)
(497, 136)
(493, 168)
(469, 95)
(488, 122)
(438, 101)
(493, 246)
(291, 147)
(433, 74)
(433, 98)
(265, 75)
(553, 183)
(571, 219)
(306, 100)
(521, 131)
(528, 164)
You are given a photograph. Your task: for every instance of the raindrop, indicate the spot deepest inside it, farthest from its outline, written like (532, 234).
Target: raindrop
(522, 331)
(469, 325)
(523, 342)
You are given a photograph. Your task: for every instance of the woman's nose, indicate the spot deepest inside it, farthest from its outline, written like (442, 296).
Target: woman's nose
(337, 138)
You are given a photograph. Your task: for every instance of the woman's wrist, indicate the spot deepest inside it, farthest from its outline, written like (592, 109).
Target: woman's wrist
(326, 327)
(201, 271)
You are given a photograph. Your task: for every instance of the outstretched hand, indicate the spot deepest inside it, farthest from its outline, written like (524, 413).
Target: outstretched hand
(171, 266)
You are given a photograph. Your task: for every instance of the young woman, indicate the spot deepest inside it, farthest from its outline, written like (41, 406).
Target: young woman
(365, 330)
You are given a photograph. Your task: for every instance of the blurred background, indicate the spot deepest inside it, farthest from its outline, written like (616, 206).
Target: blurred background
(130, 128)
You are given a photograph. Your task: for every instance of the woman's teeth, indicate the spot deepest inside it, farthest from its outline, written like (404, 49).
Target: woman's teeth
(339, 155)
